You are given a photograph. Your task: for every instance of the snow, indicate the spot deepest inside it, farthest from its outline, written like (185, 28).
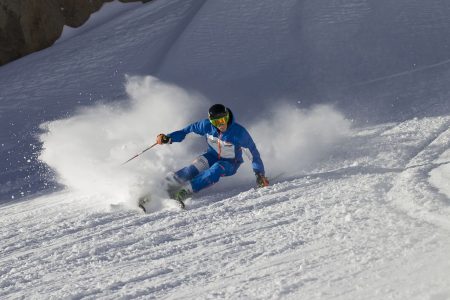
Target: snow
(355, 209)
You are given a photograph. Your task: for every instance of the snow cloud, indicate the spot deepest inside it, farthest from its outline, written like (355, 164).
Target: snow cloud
(87, 150)
(291, 139)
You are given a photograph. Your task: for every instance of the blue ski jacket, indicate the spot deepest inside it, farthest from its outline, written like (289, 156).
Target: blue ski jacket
(226, 145)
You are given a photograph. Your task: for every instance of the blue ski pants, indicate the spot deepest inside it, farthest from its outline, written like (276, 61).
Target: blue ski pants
(206, 170)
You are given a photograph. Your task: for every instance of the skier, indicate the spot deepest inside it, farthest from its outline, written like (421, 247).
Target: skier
(225, 139)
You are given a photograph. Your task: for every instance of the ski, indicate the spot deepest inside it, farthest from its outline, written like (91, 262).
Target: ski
(144, 200)
(180, 203)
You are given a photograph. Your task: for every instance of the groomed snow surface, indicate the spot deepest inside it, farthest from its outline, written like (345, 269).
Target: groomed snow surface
(366, 225)
(353, 211)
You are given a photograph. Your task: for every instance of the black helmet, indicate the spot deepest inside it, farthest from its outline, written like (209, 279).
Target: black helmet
(217, 111)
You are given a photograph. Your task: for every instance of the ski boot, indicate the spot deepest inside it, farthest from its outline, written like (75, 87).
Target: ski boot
(172, 182)
(182, 194)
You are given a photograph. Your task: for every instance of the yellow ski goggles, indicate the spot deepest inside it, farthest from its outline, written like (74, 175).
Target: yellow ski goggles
(220, 120)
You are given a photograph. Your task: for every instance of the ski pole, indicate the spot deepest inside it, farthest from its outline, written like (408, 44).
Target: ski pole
(140, 153)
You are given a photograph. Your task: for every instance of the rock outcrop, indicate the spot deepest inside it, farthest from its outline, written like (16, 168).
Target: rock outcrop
(27, 26)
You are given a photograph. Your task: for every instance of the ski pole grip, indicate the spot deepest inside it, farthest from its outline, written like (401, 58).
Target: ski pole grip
(162, 139)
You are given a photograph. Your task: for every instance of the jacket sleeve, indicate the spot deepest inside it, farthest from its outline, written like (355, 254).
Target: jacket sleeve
(247, 142)
(179, 135)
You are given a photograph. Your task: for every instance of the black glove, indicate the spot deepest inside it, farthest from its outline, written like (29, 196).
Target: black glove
(163, 139)
(261, 180)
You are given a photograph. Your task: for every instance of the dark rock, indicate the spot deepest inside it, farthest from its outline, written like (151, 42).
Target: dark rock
(77, 12)
(27, 26)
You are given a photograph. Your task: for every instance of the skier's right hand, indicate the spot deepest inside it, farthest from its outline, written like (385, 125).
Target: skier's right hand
(261, 180)
(163, 139)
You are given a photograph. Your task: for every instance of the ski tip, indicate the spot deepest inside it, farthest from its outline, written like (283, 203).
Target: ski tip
(143, 208)
(181, 205)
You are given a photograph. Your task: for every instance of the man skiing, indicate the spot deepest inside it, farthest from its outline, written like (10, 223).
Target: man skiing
(225, 139)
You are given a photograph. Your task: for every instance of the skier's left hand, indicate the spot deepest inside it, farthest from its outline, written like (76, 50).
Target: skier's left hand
(261, 180)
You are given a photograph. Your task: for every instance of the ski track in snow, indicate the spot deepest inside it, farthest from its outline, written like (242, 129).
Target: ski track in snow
(338, 233)
(412, 191)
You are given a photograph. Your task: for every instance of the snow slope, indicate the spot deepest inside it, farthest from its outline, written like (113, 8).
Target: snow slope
(360, 212)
